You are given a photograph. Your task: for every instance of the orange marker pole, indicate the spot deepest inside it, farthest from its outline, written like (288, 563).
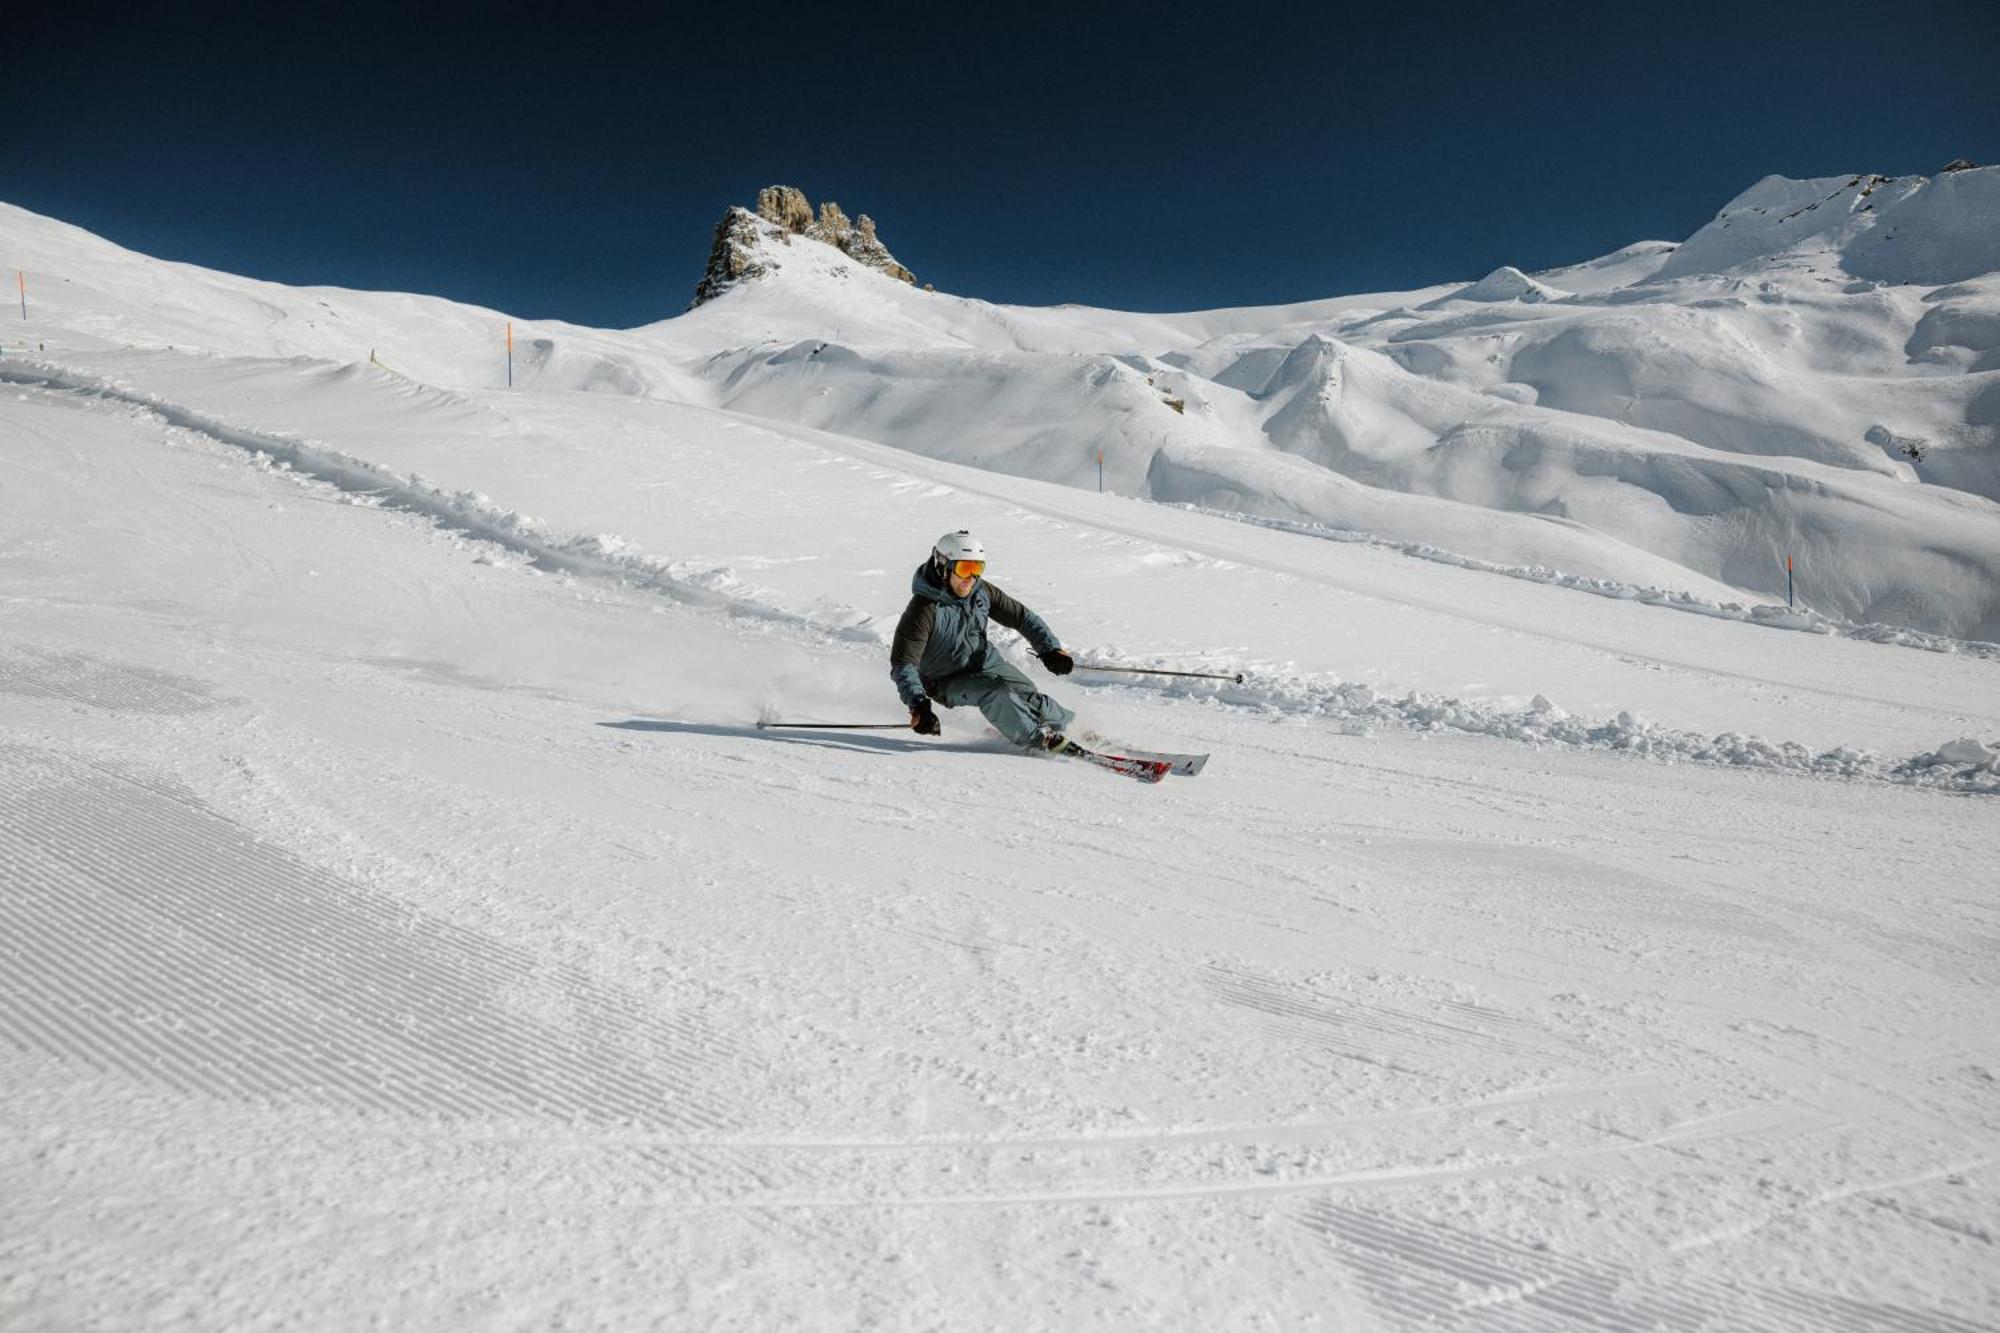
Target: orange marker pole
(1100, 472)
(21, 280)
(1788, 581)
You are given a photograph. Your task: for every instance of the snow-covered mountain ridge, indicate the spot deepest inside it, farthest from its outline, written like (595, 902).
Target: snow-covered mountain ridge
(1771, 388)
(745, 242)
(1811, 376)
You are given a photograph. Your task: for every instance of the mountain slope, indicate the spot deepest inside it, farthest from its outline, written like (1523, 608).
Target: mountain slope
(1679, 418)
(1752, 343)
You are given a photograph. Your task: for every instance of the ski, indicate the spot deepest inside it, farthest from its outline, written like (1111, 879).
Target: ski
(1181, 765)
(1145, 770)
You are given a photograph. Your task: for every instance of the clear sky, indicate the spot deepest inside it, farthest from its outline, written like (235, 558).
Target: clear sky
(570, 161)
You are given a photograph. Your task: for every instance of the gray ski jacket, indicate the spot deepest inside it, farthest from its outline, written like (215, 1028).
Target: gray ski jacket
(941, 636)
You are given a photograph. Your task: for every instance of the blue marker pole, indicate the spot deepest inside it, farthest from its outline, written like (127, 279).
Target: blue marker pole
(510, 353)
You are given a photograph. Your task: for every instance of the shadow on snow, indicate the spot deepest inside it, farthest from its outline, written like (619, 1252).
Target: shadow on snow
(821, 740)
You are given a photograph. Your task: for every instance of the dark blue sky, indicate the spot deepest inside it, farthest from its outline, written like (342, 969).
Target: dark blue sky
(571, 162)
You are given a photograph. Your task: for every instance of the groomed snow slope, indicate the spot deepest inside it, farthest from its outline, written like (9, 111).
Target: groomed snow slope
(404, 918)
(401, 915)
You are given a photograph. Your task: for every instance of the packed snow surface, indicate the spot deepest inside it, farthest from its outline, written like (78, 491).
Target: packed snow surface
(405, 922)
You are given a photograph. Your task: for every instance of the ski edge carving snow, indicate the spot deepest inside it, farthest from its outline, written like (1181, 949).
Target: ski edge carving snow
(1181, 765)
(1145, 770)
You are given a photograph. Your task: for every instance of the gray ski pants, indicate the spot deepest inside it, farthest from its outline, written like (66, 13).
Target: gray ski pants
(1009, 699)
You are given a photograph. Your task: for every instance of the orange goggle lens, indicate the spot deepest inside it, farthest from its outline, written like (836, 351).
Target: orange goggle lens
(968, 569)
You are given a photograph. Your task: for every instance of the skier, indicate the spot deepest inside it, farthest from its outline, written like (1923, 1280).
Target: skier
(940, 650)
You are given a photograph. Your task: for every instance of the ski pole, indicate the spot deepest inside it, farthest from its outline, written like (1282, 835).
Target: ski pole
(1155, 671)
(837, 726)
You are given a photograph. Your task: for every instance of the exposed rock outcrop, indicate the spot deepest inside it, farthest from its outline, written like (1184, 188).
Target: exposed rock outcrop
(739, 248)
(731, 257)
(785, 206)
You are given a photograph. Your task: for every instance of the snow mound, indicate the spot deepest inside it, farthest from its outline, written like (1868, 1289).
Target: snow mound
(1505, 283)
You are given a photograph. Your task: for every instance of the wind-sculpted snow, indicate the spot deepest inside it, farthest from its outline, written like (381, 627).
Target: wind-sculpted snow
(1750, 341)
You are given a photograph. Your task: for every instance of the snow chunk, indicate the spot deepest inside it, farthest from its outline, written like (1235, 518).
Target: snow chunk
(1964, 752)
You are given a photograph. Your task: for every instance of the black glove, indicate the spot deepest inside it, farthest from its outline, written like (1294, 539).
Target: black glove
(922, 720)
(1058, 662)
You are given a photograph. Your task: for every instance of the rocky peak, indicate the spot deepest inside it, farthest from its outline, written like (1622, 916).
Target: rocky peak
(740, 252)
(787, 207)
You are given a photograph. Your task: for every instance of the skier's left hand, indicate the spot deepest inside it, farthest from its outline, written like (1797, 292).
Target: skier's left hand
(1058, 662)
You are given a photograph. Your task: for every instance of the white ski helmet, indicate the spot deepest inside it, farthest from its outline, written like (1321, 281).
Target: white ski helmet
(953, 547)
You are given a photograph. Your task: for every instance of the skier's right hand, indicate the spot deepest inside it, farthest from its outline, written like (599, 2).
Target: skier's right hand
(923, 720)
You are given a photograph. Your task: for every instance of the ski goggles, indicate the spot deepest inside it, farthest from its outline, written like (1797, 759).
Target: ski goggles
(968, 569)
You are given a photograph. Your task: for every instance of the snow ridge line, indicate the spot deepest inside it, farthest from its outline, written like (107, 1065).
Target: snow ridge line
(1769, 615)
(1962, 766)
(469, 512)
